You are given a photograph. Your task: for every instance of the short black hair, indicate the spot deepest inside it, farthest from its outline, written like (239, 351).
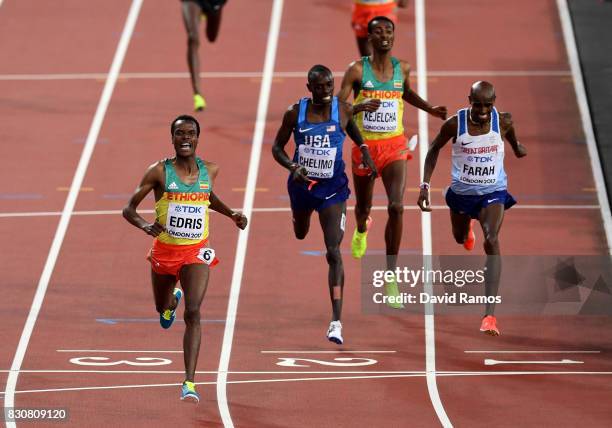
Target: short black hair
(315, 70)
(379, 18)
(185, 117)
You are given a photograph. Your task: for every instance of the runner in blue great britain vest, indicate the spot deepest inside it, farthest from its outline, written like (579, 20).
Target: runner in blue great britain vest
(317, 181)
(479, 183)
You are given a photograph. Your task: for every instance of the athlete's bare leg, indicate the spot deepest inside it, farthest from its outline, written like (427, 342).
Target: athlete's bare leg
(191, 19)
(461, 226)
(394, 178)
(163, 287)
(194, 280)
(213, 24)
(364, 188)
(333, 219)
(491, 218)
(301, 223)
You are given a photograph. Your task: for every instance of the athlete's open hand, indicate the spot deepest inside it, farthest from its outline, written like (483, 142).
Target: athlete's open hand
(520, 151)
(423, 201)
(366, 160)
(154, 229)
(300, 175)
(368, 105)
(439, 112)
(240, 220)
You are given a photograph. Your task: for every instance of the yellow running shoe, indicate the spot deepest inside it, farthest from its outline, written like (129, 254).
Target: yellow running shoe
(359, 243)
(391, 290)
(199, 103)
(166, 318)
(188, 392)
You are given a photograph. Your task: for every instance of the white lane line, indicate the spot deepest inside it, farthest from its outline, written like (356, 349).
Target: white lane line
(500, 73)
(249, 197)
(256, 372)
(328, 378)
(287, 209)
(585, 116)
(430, 341)
(524, 373)
(491, 362)
(309, 372)
(158, 385)
(278, 74)
(532, 352)
(119, 351)
(77, 181)
(327, 352)
(162, 372)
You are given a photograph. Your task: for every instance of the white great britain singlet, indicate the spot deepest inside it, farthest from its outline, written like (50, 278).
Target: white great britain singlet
(478, 160)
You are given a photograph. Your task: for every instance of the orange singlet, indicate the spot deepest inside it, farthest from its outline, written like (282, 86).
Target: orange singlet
(365, 10)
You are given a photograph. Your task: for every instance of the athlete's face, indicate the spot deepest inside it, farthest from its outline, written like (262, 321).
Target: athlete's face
(322, 88)
(482, 106)
(185, 138)
(382, 36)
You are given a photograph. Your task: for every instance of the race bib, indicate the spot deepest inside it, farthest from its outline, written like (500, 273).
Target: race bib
(186, 221)
(480, 174)
(207, 255)
(384, 119)
(318, 161)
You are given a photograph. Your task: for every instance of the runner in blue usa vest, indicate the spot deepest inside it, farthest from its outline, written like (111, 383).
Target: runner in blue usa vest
(317, 180)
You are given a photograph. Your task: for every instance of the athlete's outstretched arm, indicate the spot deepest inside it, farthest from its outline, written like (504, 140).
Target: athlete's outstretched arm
(346, 115)
(352, 82)
(218, 205)
(510, 135)
(414, 99)
(298, 172)
(348, 82)
(282, 138)
(447, 131)
(353, 132)
(151, 181)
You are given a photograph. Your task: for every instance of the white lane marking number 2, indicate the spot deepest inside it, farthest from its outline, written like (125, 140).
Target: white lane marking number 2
(337, 362)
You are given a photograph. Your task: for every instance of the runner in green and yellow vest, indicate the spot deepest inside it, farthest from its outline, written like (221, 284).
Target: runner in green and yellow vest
(183, 208)
(380, 85)
(183, 188)
(386, 122)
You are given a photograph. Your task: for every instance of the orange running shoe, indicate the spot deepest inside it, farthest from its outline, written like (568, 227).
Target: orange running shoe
(468, 244)
(489, 325)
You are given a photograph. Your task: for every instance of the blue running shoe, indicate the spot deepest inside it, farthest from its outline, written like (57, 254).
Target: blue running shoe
(166, 318)
(188, 392)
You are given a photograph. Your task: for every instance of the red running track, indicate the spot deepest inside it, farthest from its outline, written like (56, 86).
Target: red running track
(101, 274)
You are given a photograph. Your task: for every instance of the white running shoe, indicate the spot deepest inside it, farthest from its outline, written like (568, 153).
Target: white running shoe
(334, 332)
